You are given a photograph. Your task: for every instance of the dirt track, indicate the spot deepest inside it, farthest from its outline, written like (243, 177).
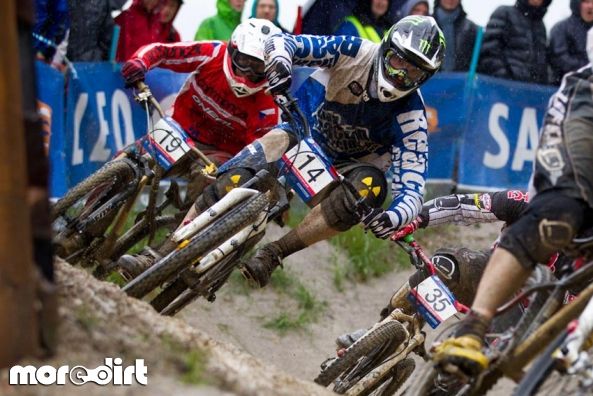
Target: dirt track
(99, 321)
(239, 318)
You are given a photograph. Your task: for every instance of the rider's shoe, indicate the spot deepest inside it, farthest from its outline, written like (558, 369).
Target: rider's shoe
(260, 267)
(464, 350)
(346, 340)
(132, 265)
(463, 353)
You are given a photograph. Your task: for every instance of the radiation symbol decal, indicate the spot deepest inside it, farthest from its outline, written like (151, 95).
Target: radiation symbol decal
(368, 182)
(234, 182)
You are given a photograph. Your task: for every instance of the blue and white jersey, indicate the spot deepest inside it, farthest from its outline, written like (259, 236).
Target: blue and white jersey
(348, 123)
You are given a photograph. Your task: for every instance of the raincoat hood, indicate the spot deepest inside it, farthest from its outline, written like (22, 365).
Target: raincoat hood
(408, 5)
(575, 7)
(254, 10)
(227, 13)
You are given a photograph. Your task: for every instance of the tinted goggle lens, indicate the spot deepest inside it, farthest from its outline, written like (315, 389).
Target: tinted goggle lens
(252, 68)
(401, 72)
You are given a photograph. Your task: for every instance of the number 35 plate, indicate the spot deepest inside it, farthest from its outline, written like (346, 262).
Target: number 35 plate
(433, 300)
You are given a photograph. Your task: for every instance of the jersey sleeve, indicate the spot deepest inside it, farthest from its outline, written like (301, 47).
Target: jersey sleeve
(508, 205)
(410, 161)
(181, 57)
(460, 209)
(313, 51)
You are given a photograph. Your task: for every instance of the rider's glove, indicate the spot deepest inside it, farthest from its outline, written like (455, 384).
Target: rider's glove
(381, 222)
(133, 71)
(278, 74)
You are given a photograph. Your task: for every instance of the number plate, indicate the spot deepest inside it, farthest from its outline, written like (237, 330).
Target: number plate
(307, 170)
(168, 142)
(433, 300)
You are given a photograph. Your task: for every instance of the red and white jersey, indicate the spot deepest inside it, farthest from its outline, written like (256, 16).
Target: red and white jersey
(206, 107)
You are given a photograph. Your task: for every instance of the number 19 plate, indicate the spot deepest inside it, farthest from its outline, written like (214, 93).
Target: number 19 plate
(433, 300)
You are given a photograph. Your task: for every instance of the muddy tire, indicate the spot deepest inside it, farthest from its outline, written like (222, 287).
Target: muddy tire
(212, 236)
(392, 383)
(116, 171)
(391, 330)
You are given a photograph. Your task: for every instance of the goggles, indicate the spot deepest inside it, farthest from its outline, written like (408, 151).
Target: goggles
(401, 73)
(248, 66)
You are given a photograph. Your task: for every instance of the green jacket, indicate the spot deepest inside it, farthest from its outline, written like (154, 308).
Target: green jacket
(221, 25)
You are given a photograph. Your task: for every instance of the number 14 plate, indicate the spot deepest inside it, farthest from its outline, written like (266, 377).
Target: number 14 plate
(433, 300)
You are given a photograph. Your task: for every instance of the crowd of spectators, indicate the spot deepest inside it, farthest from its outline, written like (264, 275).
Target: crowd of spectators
(515, 45)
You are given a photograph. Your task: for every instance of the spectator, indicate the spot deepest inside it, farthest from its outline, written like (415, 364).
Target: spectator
(139, 26)
(369, 20)
(51, 23)
(414, 7)
(221, 25)
(167, 13)
(514, 44)
(91, 29)
(267, 9)
(460, 34)
(568, 40)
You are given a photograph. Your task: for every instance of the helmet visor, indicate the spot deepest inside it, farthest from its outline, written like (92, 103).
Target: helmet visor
(401, 73)
(248, 66)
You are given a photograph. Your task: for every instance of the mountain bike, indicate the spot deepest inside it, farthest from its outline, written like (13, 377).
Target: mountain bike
(380, 361)
(539, 326)
(210, 247)
(89, 220)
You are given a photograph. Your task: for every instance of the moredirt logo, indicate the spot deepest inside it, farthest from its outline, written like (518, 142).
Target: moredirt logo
(112, 372)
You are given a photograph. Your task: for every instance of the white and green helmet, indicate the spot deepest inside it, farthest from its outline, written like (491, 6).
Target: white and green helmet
(410, 53)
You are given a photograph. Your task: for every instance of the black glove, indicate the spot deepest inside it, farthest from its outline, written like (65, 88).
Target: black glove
(133, 71)
(381, 222)
(279, 75)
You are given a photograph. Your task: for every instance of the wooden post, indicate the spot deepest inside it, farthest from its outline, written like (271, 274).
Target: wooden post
(19, 333)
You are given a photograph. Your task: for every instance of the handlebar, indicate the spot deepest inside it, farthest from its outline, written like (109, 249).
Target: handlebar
(289, 106)
(144, 95)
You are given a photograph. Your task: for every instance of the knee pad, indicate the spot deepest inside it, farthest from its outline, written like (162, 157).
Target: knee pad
(250, 157)
(370, 182)
(548, 225)
(339, 209)
(223, 184)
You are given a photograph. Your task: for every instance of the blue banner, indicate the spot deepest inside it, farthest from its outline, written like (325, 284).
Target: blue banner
(102, 117)
(483, 138)
(50, 104)
(446, 113)
(501, 134)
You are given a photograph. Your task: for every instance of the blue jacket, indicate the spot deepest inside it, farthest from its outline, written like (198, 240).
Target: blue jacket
(51, 22)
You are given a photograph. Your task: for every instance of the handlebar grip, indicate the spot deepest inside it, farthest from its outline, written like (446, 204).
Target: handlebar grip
(405, 231)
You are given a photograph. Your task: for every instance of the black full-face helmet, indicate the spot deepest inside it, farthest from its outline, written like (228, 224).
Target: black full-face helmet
(411, 52)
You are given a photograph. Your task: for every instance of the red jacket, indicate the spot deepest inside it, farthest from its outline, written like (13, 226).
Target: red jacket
(206, 107)
(138, 27)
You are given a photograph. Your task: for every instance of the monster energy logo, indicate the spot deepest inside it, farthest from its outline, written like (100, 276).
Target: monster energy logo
(442, 39)
(424, 46)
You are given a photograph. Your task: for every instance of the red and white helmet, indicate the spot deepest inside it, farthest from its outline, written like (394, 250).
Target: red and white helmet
(244, 65)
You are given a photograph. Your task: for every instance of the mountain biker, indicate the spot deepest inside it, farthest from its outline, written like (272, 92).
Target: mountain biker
(563, 181)
(366, 114)
(459, 268)
(222, 105)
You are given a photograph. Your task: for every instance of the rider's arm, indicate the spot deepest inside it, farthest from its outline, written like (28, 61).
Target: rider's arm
(410, 160)
(314, 51)
(180, 57)
(466, 209)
